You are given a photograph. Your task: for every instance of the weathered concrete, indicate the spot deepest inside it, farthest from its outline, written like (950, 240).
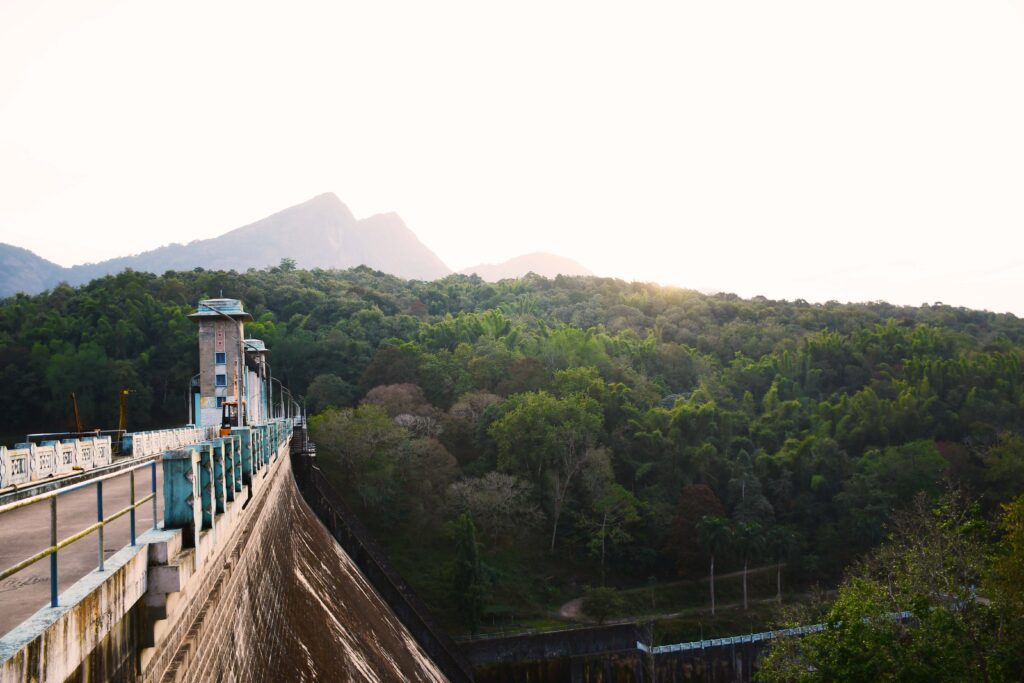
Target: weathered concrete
(373, 563)
(56, 642)
(734, 663)
(26, 531)
(603, 654)
(284, 603)
(266, 594)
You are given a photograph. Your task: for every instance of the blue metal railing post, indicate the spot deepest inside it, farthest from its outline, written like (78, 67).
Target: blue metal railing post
(153, 473)
(131, 515)
(53, 556)
(99, 517)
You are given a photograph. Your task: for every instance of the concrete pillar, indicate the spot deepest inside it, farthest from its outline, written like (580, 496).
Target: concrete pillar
(265, 439)
(219, 477)
(206, 482)
(263, 445)
(236, 448)
(229, 467)
(181, 489)
(244, 435)
(257, 465)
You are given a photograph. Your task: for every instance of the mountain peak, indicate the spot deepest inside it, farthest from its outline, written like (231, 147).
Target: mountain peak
(539, 262)
(325, 199)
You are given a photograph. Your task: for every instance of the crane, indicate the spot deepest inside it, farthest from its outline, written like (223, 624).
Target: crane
(122, 415)
(78, 418)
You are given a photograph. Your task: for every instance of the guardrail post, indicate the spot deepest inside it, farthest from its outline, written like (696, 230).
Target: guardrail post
(53, 555)
(131, 515)
(181, 490)
(99, 517)
(244, 435)
(218, 475)
(229, 467)
(206, 484)
(152, 472)
(236, 449)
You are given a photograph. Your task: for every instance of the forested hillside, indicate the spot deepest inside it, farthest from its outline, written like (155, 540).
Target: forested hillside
(584, 430)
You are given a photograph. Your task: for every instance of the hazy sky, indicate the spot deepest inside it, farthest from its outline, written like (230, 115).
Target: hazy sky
(821, 150)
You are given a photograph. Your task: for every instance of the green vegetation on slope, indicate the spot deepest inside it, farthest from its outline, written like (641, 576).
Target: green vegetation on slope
(593, 431)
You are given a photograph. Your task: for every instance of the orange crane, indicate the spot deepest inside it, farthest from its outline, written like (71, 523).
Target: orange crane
(78, 418)
(122, 416)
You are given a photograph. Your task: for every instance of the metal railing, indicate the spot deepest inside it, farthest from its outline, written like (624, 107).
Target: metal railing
(751, 637)
(98, 526)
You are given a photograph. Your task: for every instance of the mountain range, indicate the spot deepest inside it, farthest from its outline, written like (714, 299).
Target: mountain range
(319, 233)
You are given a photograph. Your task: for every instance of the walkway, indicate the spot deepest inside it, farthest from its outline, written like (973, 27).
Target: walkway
(26, 531)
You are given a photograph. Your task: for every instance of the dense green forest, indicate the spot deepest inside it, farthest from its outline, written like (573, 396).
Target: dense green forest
(534, 437)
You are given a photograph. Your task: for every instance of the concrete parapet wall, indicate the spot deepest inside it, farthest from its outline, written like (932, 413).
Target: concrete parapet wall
(56, 643)
(29, 462)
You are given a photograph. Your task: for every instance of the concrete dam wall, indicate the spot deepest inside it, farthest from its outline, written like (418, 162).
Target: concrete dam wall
(290, 605)
(264, 594)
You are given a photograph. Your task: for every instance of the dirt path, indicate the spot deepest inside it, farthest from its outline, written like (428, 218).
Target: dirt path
(572, 609)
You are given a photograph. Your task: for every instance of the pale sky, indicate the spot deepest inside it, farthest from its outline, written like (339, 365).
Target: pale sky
(854, 150)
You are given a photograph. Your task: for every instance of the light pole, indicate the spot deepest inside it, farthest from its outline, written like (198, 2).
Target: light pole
(190, 398)
(284, 391)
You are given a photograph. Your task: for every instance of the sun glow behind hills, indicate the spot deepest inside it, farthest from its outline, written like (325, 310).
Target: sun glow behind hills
(792, 149)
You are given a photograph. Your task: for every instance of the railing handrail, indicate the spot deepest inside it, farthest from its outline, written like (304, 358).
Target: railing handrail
(149, 460)
(55, 546)
(761, 635)
(73, 487)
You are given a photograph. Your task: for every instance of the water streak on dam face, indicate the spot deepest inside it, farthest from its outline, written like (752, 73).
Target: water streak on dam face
(338, 628)
(266, 595)
(292, 606)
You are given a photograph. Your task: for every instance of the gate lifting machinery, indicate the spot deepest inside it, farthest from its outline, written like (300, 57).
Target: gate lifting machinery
(231, 412)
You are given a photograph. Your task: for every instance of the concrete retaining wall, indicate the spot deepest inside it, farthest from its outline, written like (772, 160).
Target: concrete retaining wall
(603, 654)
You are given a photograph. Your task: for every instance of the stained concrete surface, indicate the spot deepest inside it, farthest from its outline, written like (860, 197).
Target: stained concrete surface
(339, 628)
(26, 531)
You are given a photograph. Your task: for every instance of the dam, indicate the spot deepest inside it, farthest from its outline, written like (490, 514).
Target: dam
(227, 573)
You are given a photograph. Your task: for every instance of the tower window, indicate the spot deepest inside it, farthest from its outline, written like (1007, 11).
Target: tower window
(220, 401)
(220, 358)
(220, 380)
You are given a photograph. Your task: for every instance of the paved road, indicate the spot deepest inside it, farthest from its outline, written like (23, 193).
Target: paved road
(26, 531)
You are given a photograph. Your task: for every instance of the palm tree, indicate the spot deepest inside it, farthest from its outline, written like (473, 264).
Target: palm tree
(716, 533)
(750, 539)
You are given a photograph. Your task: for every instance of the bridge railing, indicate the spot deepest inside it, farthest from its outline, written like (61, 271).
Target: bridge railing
(221, 466)
(32, 462)
(748, 637)
(101, 520)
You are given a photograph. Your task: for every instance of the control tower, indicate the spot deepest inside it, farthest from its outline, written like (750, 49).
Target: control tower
(222, 375)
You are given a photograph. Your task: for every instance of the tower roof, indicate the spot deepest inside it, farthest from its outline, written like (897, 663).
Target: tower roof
(256, 346)
(218, 308)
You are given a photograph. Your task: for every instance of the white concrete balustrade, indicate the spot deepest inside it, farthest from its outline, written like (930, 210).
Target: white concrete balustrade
(27, 463)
